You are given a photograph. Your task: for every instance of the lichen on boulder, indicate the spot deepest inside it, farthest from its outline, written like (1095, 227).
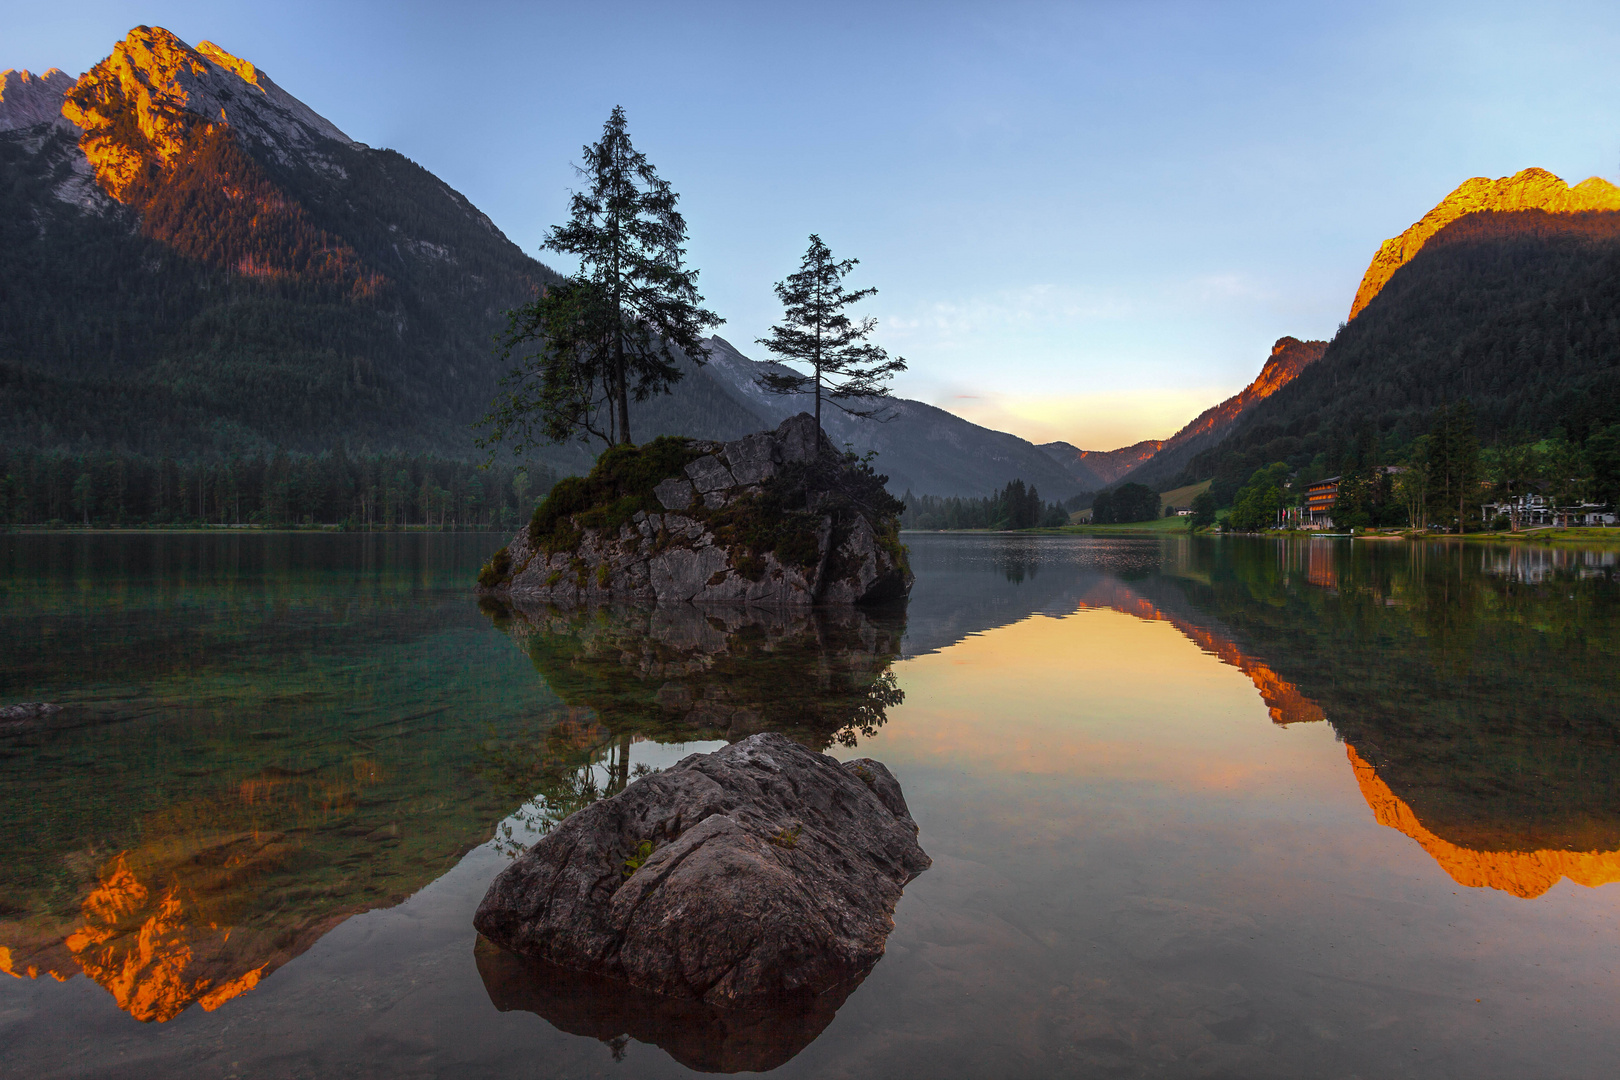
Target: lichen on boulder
(776, 518)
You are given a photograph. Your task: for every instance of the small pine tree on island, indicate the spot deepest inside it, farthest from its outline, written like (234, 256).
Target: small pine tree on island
(816, 332)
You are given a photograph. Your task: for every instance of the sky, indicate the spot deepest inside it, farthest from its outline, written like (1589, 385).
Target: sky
(1086, 221)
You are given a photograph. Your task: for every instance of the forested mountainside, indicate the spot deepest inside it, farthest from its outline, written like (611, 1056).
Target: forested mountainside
(1289, 356)
(1517, 310)
(195, 263)
(1155, 461)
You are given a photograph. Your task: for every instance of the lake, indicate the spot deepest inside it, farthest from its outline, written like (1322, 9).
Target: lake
(1201, 807)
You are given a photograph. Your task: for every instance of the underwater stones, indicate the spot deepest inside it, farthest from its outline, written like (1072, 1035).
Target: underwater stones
(761, 873)
(27, 712)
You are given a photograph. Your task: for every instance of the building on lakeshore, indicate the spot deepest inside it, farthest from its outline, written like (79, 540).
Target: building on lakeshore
(1531, 510)
(1320, 498)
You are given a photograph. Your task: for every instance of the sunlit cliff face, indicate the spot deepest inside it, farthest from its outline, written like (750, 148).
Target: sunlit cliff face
(137, 108)
(1522, 873)
(172, 132)
(1531, 189)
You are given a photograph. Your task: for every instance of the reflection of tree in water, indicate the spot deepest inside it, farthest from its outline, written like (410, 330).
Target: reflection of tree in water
(679, 674)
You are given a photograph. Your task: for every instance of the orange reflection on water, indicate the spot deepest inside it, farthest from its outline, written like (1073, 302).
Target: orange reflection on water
(1522, 873)
(160, 927)
(1282, 698)
(1105, 694)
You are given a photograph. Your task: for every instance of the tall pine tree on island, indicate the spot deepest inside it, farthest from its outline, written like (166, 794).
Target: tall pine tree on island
(613, 329)
(817, 333)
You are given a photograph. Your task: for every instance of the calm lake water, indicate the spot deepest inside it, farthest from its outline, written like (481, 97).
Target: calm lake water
(1201, 808)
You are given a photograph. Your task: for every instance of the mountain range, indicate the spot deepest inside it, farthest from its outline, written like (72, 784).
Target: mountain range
(198, 265)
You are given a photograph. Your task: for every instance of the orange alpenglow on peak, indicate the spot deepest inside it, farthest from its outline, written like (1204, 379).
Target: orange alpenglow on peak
(1289, 356)
(1531, 189)
(169, 90)
(1523, 873)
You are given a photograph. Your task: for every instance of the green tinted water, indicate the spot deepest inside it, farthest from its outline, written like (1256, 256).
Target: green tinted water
(1196, 808)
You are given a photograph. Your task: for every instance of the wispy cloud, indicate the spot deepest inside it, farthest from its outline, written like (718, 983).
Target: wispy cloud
(1042, 308)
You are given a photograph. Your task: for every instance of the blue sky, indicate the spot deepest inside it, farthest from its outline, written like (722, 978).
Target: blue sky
(1086, 221)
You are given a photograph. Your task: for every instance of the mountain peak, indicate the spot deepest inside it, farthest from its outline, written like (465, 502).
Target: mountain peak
(27, 99)
(173, 89)
(1528, 189)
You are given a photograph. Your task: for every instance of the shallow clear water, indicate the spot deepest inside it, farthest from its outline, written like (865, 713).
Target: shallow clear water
(1213, 808)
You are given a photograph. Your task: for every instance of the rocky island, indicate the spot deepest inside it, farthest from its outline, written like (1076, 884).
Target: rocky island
(775, 519)
(759, 874)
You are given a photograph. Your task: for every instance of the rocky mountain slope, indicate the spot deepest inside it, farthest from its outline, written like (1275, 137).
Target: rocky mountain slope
(1097, 469)
(197, 262)
(1156, 461)
(1504, 294)
(1289, 356)
(1529, 189)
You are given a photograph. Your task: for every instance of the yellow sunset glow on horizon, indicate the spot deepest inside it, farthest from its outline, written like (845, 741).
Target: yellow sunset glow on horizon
(1096, 421)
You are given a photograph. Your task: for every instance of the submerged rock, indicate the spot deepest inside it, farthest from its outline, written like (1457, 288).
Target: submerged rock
(774, 519)
(758, 874)
(27, 712)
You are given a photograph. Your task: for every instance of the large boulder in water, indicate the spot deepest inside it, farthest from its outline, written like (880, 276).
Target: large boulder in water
(775, 519)
(760, 873)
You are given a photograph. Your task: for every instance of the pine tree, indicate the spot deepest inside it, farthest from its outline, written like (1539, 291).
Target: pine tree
(818, 334)
(612, 331)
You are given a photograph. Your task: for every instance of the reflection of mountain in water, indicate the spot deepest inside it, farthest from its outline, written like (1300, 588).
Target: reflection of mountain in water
(1522, 873)
(1475, 687)
(265, 750)
(681, 673)
(195, 903)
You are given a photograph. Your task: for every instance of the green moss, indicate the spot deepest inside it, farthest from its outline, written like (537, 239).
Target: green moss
(619, 485)
(755, 525)
(888, 541)
(604, 574)
(644, 852)
(497, 571)
(786, 837)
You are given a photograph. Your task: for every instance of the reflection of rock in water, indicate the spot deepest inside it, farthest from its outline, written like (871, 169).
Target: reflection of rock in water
(681, 673)
(698, 1036)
